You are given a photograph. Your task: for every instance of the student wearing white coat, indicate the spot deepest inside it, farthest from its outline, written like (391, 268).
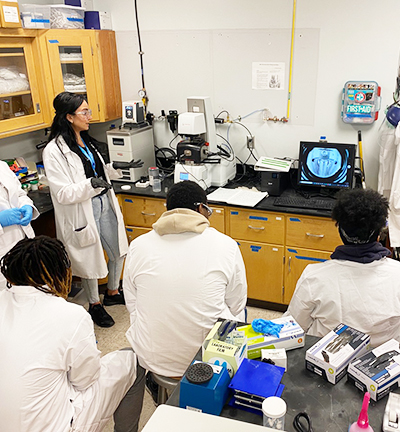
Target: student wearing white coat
(16, 212)
(178, 280)
(88, 217)
(52, 376)
(360, 285)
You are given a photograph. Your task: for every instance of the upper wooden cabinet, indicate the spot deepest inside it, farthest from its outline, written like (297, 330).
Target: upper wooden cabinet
(47, 62)
(24, 105)
(84, 61)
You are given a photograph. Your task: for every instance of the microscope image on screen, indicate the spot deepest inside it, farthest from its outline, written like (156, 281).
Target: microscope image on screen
(326, 164)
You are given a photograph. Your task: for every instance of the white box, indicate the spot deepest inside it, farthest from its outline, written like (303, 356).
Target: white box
(86, 4)
(290, 337)
(377, 371)
(277, 356)
(67, 17)
(35, 16)
(98, 20)
(330, 356)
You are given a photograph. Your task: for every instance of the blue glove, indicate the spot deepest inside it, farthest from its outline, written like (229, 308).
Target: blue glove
(266, 327)
(26, 213)
(10, 217)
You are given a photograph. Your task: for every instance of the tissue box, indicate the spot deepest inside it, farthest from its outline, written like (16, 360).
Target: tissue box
(208, 397)
(9, 14)
(290, 337)
(277, 356)
(223, 353)
(98, 20)
(86, 4)
(377, 371)
(67, 17)
(35, 16)
(330, 356)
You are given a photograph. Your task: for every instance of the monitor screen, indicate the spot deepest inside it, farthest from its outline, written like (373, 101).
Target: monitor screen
(326, 164)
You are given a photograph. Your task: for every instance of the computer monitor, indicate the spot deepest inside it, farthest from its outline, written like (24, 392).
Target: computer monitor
(326, 164)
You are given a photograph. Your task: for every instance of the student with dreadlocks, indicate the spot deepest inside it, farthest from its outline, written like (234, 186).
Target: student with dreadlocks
(52, 378)
(16, 212)
(87, 213)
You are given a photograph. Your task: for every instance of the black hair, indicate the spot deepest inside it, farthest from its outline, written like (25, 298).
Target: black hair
(65, 103)
(185, 195)
(361, 214)
(41, 262)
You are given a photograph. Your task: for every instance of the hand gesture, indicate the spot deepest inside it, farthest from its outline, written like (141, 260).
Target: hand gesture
(99, 183)
(26, 213)
(127, 165)
(10, 217)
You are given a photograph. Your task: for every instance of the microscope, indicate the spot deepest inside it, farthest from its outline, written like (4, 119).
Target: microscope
(198, 157)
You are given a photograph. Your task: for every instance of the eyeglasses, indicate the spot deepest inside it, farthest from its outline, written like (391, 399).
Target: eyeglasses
(209, 209)
(85, 113)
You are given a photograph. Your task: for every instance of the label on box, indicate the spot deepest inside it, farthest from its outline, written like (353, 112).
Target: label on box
(10, 14)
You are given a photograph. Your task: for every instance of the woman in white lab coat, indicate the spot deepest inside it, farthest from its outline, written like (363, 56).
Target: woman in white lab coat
(16, 212)
(87, 214)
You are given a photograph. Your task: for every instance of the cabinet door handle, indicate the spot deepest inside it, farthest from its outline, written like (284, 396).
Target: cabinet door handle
(290, 262)
(148, 214)
(256, 228)
(316, 235)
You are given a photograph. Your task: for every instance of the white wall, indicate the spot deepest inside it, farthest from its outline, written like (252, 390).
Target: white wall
(356, 40)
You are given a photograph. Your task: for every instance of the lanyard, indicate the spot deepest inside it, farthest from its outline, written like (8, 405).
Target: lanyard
(89, 155)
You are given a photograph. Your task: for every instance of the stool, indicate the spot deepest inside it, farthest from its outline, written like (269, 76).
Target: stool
(164, 384)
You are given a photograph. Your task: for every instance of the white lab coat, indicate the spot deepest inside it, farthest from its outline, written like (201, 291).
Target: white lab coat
(50, 367)
(72, 194)
(176, 287)
(363, 296)
(12, 196)
(389, 177)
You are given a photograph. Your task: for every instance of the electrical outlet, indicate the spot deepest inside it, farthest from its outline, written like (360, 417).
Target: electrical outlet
(250, 142)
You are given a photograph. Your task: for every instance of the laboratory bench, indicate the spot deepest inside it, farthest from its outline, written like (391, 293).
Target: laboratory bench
(332, 408)
(276, 242)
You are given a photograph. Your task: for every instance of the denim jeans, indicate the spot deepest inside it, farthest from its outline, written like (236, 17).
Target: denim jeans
(107, 227)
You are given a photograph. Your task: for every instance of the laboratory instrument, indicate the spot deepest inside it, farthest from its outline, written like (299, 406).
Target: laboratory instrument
(199, 158)
(126, 143)
(133, 113)
(391, 417)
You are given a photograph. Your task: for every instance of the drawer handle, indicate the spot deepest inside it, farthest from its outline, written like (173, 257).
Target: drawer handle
(148, 214)
(256, 228)
(290, 262)
(316, 235)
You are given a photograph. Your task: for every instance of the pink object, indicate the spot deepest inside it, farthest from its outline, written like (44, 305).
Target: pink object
(361, 425)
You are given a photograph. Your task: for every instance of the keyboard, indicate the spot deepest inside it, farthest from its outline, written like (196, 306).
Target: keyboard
(301, 202)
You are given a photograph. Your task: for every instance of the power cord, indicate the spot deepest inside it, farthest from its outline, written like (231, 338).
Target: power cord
(300, 426)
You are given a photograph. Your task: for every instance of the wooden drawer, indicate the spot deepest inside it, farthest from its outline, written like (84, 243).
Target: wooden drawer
(312, 233)
(217, 219)
(257, 226)
(133, 232)
(142, 212)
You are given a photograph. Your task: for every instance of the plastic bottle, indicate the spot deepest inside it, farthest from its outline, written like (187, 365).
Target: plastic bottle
(361, 425)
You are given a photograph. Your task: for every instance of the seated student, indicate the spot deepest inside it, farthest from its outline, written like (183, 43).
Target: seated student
(178, 280)
(52, 378)
(360, 286)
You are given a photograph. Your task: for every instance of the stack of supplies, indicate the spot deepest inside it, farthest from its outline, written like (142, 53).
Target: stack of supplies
(253, 382)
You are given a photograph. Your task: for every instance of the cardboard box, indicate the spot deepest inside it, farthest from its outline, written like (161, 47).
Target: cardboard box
(9, 14)
(330, 356)
(98, 20)
(377, 371)
(224, 353)
(290, 337)
(277, 357)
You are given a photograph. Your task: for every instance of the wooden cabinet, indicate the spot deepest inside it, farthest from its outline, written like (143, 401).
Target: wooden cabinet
(24, 105)
(217, 219)
(308, 240)
(84, 61)
(261, 237)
